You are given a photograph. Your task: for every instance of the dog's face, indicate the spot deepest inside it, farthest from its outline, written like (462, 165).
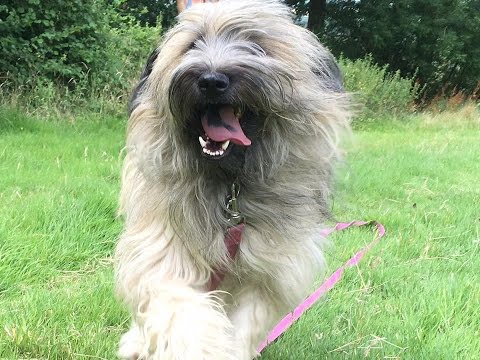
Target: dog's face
(237, 74)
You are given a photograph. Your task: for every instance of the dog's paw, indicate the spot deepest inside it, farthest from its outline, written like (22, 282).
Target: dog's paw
(190, 326)
(131, 345)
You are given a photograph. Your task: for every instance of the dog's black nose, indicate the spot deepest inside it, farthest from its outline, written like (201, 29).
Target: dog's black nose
(213, 83)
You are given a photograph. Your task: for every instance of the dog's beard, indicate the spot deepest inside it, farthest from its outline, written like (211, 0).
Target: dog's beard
(221, 129)
(226, 125)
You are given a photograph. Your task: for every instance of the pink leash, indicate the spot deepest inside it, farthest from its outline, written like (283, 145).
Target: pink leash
(288, 320)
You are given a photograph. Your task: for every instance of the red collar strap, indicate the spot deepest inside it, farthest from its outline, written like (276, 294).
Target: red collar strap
(233, 236)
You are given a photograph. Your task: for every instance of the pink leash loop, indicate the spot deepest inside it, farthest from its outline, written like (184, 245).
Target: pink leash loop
(288, 320)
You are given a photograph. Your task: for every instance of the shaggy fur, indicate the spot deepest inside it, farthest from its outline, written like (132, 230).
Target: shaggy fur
(289, 91)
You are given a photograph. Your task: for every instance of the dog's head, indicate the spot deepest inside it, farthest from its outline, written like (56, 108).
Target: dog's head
(237, 79)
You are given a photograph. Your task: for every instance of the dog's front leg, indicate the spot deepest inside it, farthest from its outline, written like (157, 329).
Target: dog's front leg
(256, 306)
(173, 318)
(252, 313)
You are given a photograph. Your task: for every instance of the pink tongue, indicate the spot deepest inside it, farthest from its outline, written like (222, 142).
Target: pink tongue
(226, 127)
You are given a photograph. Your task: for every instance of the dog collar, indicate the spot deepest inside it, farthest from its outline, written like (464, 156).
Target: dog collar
(233, 235)
(233, 213)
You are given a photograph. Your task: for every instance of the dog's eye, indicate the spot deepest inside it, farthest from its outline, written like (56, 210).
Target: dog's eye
(192, 45)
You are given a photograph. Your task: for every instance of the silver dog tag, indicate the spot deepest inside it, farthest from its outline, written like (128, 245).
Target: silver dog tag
(233, 212)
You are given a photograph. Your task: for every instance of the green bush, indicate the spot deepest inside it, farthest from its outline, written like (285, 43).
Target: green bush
(128, 46)
(437, 41)
(58, 40)
(70, 54)
(377, 91)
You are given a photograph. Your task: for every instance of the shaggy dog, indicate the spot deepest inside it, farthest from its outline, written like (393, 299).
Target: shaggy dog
(236, 98)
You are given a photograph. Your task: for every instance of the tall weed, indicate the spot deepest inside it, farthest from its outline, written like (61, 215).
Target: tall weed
(377, 91)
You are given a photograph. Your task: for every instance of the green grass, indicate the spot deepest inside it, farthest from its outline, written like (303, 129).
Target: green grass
(414, 296)
(58, 195)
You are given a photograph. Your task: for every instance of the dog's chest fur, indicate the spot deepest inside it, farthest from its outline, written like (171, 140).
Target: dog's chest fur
(274, 212)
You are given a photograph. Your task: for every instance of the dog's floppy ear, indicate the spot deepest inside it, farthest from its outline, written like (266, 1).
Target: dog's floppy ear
(137, 91)
(331, 75)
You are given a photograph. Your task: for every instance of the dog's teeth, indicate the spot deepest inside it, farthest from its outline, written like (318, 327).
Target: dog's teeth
(225, 145)
(213, 153)
(202, 142)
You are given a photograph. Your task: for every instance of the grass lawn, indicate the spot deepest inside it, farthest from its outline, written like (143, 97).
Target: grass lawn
(416, 295)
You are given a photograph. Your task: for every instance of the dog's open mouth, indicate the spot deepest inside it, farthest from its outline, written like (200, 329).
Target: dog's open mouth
(221, 127)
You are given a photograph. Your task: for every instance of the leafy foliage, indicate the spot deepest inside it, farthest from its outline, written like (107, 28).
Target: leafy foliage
(435, 40)
(76, 43)
(59, 40)
(151, 12)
